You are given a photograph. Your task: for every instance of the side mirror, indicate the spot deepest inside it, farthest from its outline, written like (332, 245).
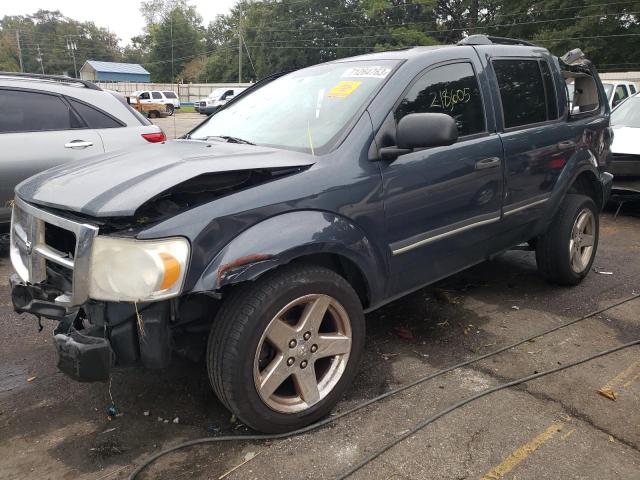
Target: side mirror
(421, 130)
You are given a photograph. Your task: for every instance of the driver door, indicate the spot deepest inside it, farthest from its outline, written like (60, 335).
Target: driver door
(443, 204)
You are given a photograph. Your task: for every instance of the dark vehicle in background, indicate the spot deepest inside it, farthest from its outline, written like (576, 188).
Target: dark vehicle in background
(49, 120)
(262, 237)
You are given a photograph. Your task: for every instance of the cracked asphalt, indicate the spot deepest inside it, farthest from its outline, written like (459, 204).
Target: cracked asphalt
(556, 427)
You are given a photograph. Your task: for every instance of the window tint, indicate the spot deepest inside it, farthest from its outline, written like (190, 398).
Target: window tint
(632, 89)
(521, 91)
(94, 118)
(620, 94)
(144, 96)
(31, 112)
(550, 90)
(170, 95)
(451, 89)
(156, 95)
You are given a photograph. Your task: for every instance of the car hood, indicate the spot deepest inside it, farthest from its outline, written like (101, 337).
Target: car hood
(625, 140)
(118, 183)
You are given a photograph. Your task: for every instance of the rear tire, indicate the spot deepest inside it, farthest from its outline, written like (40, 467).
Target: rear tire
(273, 338)
(170, 109)
(566, 252)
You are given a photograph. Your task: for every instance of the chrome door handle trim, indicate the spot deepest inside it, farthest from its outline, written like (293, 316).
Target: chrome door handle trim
(78, 144)
(490, 162)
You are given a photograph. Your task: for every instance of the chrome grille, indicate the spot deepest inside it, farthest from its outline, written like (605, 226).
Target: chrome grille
(30, 250)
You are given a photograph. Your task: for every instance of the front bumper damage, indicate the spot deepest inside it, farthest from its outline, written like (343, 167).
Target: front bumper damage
(93, 338)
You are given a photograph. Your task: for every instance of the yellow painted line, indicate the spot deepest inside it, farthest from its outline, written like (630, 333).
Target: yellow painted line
(519, 455)
(633, 379)
(568, 434)
(622, 376)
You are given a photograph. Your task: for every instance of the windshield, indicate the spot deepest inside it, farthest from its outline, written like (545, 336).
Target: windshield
(305, 110)
(608, 89)
(628, 113)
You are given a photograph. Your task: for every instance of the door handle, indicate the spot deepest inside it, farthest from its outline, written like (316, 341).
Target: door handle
(77, 144)
(566, 145)
(490, 162)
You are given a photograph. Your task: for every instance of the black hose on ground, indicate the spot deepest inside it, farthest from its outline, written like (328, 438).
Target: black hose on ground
(472, 398)
(395, 391)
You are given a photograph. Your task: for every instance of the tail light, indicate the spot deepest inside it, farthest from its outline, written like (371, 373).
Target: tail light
(154, 137)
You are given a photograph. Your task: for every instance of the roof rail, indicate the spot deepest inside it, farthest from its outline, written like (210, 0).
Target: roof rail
(490, 40)
(53, 78)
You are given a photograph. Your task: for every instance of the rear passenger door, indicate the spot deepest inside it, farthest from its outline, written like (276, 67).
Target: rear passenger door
(442, 204)
(38, 130)
(537, 143)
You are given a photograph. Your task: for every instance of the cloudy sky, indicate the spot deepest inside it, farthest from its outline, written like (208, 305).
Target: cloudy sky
(120, 16)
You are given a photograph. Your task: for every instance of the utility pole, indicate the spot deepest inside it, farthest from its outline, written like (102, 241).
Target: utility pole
(39, 58)
(171, 34)
(239, 43)
(71, 48)
(19, 50)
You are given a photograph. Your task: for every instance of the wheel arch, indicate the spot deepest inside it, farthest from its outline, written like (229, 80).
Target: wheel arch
(313, 237)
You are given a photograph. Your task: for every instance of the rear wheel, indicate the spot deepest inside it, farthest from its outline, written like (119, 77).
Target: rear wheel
(170, 109)
(566, 252)
(282, 350)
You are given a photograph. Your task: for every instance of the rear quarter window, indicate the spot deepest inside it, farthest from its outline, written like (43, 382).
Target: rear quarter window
(170, 95)
(93, 117)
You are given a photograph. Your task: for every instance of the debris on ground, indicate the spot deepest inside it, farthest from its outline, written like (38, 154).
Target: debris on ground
(109, 430)
(31, 379)
(387, 356)
(112, 412)
(404, 333)
(160, 419)
(247, 458)
(608, 393)
(447, 297)
(602, 272)
(176, 420)
(515, 307)
(146, 413)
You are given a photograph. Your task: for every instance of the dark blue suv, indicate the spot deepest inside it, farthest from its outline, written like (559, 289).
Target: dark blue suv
(262, 237)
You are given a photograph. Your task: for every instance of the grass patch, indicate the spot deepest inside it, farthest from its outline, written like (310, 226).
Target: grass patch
(187, 109)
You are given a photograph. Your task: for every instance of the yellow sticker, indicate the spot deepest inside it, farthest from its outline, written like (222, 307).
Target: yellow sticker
(343, 89)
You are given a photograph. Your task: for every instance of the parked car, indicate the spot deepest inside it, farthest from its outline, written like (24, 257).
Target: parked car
(618, 91)
(263, 236)
(167, 98)
(149, 110)
(625, 149)
(49, 120)
(216, 99)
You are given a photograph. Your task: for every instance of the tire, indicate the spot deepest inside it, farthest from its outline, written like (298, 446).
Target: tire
(170, 109)
(152, 114)
(565, 253)
(240, 336)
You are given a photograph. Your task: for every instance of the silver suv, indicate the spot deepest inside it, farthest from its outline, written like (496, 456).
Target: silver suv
(48, 120)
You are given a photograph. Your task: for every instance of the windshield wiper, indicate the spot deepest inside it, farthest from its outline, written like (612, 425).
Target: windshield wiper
(231, 139)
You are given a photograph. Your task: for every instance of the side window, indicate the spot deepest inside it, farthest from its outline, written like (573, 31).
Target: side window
(633, 90)
(550, 91)
(451, 89)
(228, 93)
(156, 95)
(144, 96)
(620, 94)
(32, 112)
(522, 92)
(93, 117)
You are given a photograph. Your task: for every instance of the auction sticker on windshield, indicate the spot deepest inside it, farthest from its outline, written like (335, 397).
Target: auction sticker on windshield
(343, 89)
(368, 72)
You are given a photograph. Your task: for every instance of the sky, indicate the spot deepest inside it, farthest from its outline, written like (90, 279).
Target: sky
(119, 16)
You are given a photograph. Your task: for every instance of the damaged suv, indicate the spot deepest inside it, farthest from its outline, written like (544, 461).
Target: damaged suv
(261, 238)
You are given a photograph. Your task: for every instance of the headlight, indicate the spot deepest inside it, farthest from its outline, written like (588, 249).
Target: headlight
(123, 269)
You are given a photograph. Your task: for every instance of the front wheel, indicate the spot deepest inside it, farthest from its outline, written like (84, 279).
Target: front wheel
(566, 252)
(282, 350)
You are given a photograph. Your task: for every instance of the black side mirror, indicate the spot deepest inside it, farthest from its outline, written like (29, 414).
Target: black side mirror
(421, 130)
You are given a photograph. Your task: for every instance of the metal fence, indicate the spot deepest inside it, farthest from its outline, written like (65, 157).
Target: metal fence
(188, 92)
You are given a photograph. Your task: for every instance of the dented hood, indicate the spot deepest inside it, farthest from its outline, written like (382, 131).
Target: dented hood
(118, 183)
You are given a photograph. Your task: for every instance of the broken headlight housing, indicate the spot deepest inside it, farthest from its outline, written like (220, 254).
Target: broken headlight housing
(128, 270)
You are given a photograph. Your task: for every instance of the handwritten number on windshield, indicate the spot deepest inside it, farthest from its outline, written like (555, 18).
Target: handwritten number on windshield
(448, 99)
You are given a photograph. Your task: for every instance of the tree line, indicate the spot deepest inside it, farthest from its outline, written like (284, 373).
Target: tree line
(275, 35)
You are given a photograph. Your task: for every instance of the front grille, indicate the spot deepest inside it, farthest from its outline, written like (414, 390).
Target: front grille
(45, 245)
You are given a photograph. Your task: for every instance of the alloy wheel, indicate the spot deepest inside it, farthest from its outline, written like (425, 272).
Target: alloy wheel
(582, 240)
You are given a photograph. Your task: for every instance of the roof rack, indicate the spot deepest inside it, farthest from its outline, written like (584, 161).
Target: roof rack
(490, 40)
(53, 78)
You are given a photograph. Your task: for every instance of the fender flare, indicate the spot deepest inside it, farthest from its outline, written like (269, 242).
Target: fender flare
(281, 239)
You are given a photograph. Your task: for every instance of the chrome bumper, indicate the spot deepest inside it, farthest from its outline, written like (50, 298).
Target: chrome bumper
(29, 251)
